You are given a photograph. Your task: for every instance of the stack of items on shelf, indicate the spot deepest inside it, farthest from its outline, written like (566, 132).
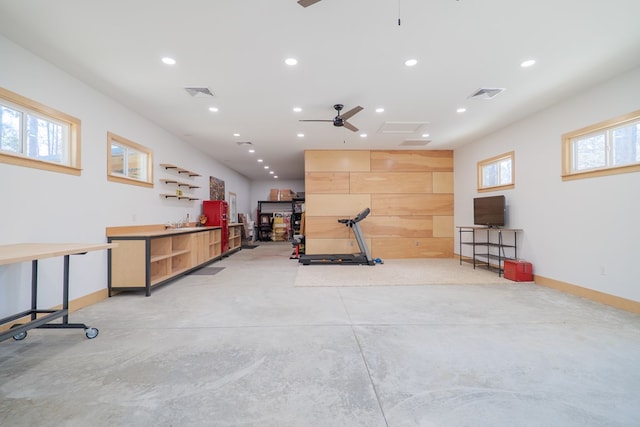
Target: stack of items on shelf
(281, 226)
(281, 194)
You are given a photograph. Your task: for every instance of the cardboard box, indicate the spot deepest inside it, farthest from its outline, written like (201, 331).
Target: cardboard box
(274, 195)
(518, 271)
(286, 194)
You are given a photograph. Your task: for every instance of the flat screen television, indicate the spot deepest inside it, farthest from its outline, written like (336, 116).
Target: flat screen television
(489, 211)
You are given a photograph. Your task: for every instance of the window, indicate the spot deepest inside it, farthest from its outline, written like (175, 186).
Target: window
(496, 173)
(606, 148)
(34, 135)
(128, 162)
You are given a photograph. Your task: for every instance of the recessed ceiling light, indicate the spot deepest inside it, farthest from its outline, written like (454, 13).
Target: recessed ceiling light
(236, 134)
(380, 110)
(410, 62)
(297, 109)
(363, 135)
(213, 109)
(260, 160)
(301, 135)
(291, 61)
(528, 63)
(169, 61)
(425, 135)
(275, 176)
(252, 150)
(271, 172)
(266, 167)
(461, 110)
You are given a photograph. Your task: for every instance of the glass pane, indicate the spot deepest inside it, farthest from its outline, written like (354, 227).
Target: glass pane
(490, 175)
(45, 139)
(10, 130)
(505, 172)
(136, 164)
(117, 159)
(626, 144)
(589, 152)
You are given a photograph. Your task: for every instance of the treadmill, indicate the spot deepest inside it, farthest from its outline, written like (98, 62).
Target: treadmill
(362, 258)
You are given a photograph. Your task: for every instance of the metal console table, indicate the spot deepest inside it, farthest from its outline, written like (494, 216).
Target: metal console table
(490, 250)
(39, 318)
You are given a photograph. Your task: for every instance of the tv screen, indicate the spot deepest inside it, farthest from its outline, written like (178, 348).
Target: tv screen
(489, 211)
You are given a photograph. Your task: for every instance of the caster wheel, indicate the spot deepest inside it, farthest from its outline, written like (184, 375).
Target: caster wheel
(21, 335)
(91, 333)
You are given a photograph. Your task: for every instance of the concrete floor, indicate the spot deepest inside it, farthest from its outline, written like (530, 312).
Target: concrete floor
(245, 347)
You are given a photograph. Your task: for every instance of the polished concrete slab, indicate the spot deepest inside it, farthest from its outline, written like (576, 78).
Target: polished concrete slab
(245, 347)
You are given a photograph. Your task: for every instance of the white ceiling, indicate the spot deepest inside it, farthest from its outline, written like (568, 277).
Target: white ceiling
(349, 51)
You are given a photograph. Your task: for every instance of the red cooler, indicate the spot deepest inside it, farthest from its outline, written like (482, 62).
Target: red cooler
(518, 271)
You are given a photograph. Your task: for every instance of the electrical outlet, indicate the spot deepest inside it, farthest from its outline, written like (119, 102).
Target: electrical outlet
(603, 270)
(134, 217)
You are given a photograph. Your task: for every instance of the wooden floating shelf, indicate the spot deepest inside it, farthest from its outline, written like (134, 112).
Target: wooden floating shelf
(179, 169)
(178, 183)
(166, 196)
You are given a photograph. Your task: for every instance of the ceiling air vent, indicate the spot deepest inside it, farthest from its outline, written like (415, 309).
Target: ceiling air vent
(390, 128)
(415, 142)
(199, 92)
(486, 93)
(244, 143)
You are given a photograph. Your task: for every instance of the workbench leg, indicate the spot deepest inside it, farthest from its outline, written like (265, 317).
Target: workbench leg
(65, 291)
(34, 288)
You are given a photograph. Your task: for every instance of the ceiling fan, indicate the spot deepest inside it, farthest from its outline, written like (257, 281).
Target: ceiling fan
(341, 120)
(307, 3)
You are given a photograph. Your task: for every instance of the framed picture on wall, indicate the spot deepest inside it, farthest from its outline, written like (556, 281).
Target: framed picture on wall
(233, 208)
(216, 189)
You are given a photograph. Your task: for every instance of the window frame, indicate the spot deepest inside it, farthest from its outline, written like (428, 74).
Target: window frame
(605, 127)
(123, 179)
(37, 109)
(491, 161)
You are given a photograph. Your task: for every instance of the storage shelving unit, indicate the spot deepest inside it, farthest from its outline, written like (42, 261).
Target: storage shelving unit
(215, 244)
(266, 211)
(490, 246)
(296, 216)
(179, 183)
(235, 237)
(179, 170)
(171, 181)
(144, 260)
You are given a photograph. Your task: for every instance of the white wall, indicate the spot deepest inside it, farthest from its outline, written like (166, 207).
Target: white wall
(583, 232)
(43, 206)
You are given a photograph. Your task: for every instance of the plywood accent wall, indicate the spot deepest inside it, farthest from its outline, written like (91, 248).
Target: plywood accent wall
(410, 194)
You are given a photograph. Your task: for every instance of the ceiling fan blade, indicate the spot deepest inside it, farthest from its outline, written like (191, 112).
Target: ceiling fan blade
(352, 112)
(307, 3)
(315, 120)
(350, 126)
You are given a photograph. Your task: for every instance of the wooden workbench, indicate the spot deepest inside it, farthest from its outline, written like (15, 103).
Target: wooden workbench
(24, 252)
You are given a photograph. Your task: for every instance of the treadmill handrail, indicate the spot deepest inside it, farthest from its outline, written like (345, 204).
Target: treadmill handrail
(362, 215)
(349, 222)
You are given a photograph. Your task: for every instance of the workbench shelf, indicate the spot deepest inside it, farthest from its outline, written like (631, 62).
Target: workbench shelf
(144, 260)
